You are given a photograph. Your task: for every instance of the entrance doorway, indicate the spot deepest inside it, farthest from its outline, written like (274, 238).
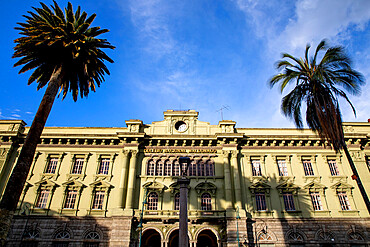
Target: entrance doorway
(151, 238)
(206, 238)
(173, 240)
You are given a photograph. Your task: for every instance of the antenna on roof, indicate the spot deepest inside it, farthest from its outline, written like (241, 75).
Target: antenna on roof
(221, 110)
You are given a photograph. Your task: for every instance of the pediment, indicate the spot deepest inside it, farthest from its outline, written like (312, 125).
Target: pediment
(341, 185)
(73, 183)
(314, 185)
(206, 187)
(287, 185)
(46, 182)
(101, 183)
(259, 185)
(154, 185)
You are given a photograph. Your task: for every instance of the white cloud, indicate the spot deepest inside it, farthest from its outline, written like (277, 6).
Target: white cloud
(16, 115)
(310, 21)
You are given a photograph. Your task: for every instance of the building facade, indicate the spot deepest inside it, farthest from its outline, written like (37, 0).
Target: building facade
(248, 187)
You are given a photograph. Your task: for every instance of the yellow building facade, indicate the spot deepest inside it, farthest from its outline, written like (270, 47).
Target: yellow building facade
(248, 187)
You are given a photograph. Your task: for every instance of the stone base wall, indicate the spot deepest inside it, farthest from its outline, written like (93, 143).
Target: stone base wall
(113, 231)
(120, 231)
(311, 232)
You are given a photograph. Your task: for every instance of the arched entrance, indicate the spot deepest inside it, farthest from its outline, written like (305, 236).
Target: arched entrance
(151, 238)
(206, 238)
(173, 240)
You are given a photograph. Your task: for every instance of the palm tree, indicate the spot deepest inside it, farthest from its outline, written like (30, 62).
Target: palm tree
(64, 53)
(319, 85)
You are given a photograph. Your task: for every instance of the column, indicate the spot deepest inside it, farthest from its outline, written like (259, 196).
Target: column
(227, 180)
(123, 180)
(131, 180)
(237, 187)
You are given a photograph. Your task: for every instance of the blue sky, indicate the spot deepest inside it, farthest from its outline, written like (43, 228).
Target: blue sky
(194, 54)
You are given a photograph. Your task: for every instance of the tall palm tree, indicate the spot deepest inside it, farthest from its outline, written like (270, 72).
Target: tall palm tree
(64, 53)
(319, 85)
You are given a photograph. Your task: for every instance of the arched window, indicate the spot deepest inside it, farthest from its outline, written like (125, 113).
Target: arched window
(192, 168)
(176, 168)
(210, 170)
(153, 201)
(150, 168)
(201, 168)
(177, 201)
(206, 202)
(167, 168)
(61, 239)
(159, 168)
(92, 239)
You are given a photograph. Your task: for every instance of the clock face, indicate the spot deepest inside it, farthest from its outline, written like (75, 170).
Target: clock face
(181, 126)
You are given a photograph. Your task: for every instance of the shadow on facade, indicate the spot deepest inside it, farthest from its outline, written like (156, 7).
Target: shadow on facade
(301, 227)
(30, 230)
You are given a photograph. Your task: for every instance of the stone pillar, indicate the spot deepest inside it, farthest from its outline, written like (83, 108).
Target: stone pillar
(123, 180)
(131, 180)
(183, 221)
(236, 174)
(227, 180)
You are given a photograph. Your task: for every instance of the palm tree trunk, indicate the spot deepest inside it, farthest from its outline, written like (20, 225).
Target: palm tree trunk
(18, 178)
(357, 178)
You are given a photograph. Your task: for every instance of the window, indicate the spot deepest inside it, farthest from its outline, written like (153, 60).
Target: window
(209, 168)
(52, 166)
(316, 201)
(201, 168)
(43, 198)
(176, 168)
(167, 168)
(98, 200)
(70, 199)
(307, 166)
(288, 201)
(159, 168)
(104, 166)
(333, 168)
(283, 170)
(192, 168)
(92, 239)
(177, 201)
(343, 200)
(150, 168)
(256, 168)
(77, 166)
(60, 244)
(261, 201)
(206, 202)
(64, 236)
(153, 201)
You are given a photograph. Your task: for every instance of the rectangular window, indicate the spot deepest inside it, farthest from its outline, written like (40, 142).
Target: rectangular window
(77, 166)
(289, 202)
(70, 199)
(283, 169)
(98, 200)
(307, 166)
(343, 200)
(261, 202)
(334, 171)
(256, 168)
(104, 166)
(43, 199)
(316, 201)
(52, 165)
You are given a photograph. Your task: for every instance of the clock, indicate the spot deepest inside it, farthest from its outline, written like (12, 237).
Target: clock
(181, 126)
